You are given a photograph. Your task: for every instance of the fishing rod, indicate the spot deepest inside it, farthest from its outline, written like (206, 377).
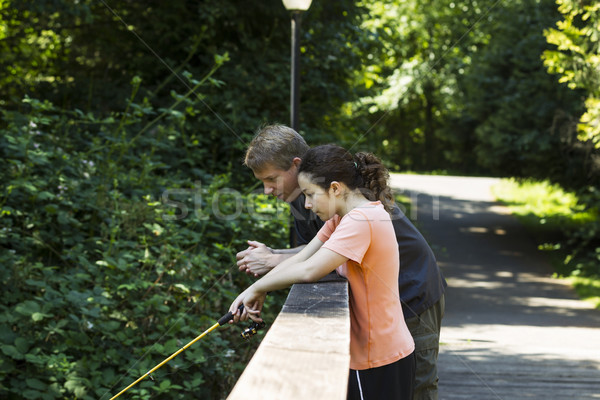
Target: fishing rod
(246, 334)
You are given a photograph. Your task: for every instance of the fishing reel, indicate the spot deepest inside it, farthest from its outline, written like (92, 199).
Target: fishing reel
(252, 329)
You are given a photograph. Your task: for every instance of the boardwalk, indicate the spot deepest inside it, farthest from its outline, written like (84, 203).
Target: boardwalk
(510, 332)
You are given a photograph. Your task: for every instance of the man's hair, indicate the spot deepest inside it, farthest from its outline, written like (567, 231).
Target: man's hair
(276, 146)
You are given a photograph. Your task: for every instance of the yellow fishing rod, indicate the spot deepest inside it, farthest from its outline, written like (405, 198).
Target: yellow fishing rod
(246, 334)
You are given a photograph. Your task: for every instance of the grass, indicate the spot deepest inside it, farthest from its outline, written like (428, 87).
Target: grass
(403, 202)
(587, 288)
(549, 213)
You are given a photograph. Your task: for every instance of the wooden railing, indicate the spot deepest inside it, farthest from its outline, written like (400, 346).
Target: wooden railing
(306, 352)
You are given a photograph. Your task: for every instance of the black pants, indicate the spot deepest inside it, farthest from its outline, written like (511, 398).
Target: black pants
(393, 381)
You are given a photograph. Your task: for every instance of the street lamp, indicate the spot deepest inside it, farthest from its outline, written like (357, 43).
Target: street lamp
(296, 7)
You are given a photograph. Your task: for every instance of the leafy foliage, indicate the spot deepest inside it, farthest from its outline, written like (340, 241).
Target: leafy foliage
(512, 96)
(119, 222)
(575, 59)
(577, 41)
(99, 46)
(113, 258)
(466, 77)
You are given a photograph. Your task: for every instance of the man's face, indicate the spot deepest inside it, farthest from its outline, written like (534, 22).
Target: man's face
(282, 184)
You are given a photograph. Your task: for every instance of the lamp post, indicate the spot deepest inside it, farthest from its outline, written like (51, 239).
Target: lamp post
(296, 7)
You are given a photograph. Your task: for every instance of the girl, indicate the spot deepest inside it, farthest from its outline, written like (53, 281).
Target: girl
(358, 241)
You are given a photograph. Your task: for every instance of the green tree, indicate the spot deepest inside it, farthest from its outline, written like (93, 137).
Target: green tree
(428, 48)
(512, 98)
(459, 76)
(576, 59)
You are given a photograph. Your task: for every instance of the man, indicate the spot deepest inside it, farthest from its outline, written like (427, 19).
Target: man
(274, 156)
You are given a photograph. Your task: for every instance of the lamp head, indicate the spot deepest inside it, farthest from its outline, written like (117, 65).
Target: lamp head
(297, 5)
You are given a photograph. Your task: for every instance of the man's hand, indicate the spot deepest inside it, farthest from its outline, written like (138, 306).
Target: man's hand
(256, 260)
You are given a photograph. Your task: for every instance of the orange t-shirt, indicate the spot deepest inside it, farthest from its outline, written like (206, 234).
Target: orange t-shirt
(379, 336)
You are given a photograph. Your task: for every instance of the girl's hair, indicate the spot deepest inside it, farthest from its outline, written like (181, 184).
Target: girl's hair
(363, 171)
(276, 146)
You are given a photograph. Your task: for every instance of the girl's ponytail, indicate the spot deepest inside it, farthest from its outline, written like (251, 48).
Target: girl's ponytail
(375, 178)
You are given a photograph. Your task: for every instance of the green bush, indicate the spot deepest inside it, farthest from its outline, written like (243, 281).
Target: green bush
(584, 259)
(118, 248)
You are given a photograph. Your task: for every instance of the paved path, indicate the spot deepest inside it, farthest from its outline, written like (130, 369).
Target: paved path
(510, 331)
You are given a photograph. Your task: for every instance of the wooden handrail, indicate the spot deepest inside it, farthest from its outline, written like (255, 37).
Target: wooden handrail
(306, 352)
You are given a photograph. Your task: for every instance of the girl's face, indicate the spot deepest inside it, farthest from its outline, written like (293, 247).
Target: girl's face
(318, 199)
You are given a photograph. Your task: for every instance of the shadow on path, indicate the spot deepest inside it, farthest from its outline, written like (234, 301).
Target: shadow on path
(510, 331)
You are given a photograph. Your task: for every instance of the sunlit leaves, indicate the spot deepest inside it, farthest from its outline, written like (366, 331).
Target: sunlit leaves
(577, 60)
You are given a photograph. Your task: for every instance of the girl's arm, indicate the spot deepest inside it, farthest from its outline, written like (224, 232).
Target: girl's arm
(311, 264)
(314, 268)
(304, 254)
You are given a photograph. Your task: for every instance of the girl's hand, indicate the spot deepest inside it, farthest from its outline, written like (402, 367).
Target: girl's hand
(234, 309)
(253, 302)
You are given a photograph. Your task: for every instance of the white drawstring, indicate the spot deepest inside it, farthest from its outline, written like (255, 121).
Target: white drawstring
(359, 385)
